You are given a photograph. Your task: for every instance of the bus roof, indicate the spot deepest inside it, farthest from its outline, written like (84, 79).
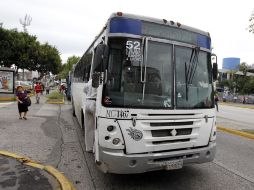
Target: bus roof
(159, 21)
(162, 22)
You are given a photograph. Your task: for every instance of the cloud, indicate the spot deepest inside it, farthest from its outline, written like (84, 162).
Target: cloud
(72, 25)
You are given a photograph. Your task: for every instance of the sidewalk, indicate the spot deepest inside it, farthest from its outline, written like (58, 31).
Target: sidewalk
(16, 175)
(37, 138)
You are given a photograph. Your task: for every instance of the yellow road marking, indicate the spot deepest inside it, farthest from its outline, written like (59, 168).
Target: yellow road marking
(236, 132)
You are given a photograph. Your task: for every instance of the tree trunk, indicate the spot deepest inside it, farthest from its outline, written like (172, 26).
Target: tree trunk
(23, 74)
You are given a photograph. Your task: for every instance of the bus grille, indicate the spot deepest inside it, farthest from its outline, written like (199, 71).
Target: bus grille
(172, 123)
(170, 141)
(171, 132)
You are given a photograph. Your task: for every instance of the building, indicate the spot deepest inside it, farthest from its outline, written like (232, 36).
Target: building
(230, 65)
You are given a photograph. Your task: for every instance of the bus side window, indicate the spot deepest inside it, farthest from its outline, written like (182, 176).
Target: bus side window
(87, 61)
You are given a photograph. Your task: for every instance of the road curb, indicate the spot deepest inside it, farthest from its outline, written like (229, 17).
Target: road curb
(7, 99)
(56, 102)
(63, 181)
(13, 98)
(236, 132)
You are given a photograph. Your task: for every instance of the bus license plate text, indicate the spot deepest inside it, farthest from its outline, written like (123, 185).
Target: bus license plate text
(123, 114)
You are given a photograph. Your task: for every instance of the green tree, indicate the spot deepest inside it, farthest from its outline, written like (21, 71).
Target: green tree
(25, 52)
(243, 84)
(8, 39)
(17, 48)
(244, 68)
(68, 66)
(243, 81)
(250, 86)
(48, 60)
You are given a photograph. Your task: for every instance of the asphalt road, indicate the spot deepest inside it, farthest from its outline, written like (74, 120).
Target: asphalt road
(235, 117)
(226, 172)
(232, 169)
(52, 136)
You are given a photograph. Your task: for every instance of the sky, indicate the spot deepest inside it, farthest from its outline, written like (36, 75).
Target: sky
(71, 25)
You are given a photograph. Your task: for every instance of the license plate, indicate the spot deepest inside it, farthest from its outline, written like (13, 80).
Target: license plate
(172, 165)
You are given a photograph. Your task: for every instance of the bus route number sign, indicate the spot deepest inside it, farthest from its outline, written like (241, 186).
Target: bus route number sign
(122, 114)
(133, 50)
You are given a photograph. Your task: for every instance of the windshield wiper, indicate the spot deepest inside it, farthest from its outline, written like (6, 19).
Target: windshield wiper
(144, 49)
(190, 71)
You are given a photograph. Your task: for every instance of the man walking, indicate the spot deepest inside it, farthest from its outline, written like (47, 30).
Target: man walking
(38, 90)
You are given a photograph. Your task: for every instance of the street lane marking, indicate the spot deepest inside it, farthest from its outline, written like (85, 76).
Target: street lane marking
(236, 132)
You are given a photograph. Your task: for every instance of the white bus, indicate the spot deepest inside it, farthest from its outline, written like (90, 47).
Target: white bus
(155, 96)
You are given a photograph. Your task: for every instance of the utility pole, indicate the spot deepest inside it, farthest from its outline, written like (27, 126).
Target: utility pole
(26, 22)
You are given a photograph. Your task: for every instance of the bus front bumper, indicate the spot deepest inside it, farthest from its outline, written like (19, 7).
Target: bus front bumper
(116, 161)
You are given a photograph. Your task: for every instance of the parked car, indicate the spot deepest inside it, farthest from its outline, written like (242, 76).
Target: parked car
(250, 99)
(27, 85)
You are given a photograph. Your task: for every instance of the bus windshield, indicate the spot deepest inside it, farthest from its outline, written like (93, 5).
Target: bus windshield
(124, 87)
(193, 78)
(151, 84)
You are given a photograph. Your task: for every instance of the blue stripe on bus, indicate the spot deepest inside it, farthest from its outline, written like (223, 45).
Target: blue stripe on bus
(125, 25)
(203, 41)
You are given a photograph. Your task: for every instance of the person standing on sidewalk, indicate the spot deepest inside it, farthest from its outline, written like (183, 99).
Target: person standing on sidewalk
(21, 96)
(38, 90)
(47, 89)
(244, 100)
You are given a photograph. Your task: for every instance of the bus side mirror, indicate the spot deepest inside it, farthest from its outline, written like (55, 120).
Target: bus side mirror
(215, 71)
(215, 67)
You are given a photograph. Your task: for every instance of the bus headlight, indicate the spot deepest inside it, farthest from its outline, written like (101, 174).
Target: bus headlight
(110, 128)
(109, 134)
(116, 141)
